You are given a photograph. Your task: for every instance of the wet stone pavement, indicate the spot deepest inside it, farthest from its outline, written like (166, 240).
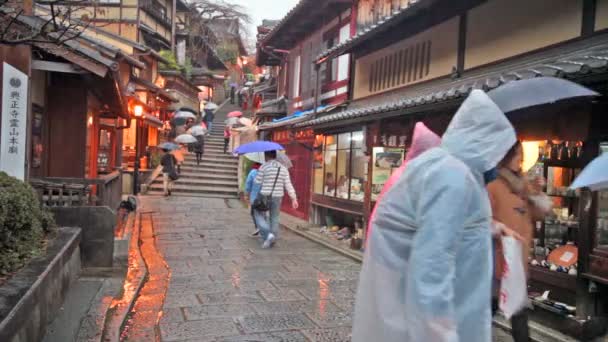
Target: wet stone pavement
(224, 287)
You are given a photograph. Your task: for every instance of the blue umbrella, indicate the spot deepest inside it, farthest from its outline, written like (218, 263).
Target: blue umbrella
(168, 146)
(258, 146)
(594, 176)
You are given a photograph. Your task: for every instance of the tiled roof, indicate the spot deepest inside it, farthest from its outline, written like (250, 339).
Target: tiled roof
(278, 25)
(576, 60)
(385, 23)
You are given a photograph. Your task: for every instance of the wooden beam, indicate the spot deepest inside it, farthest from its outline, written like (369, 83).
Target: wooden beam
(68, 68)
(589, 9)
(462, 43)
(85, 63)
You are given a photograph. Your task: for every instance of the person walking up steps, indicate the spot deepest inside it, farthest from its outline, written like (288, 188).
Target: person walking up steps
(252, 189)
(274, 179)
(226, 138)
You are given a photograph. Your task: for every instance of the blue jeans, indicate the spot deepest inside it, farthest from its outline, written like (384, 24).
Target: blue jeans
(268, 222)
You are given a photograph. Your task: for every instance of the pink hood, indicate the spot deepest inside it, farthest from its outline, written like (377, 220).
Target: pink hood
(422, 140)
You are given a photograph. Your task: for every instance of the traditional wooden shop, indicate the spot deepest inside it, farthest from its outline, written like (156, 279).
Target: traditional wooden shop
(424, 75)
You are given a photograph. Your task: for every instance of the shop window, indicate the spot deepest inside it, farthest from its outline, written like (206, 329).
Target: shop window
(601, 234)
(341, 167)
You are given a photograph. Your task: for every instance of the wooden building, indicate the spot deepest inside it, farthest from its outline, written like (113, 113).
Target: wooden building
(79, 106)
(291, 45)
(445, 49)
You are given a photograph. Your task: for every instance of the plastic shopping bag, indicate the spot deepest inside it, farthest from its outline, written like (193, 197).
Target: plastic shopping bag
(513, 289)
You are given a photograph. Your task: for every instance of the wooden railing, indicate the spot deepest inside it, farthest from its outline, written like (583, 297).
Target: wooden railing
(105, 190)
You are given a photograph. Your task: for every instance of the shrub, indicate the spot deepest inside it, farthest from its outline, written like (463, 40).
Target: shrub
(23, 223)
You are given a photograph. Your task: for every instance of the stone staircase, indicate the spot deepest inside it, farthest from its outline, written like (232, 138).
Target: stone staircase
(217, 174)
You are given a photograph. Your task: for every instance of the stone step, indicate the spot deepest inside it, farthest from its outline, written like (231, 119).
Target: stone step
(209, 169)
(201, 182)
(202, 195)
(208, 175)
(231, 162)
(213, 154)
(184, 188)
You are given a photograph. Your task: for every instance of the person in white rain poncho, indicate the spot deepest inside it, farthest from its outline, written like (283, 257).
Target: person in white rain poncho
(427, 271)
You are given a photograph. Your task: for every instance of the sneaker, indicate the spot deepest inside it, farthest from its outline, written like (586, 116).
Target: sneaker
(256, 233)
(269, 241)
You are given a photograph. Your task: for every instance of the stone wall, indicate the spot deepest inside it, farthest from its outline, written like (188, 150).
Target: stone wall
(97, 224)
(32, 297)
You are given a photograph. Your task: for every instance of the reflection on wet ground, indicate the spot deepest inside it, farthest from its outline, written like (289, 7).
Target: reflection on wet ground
(223, 287)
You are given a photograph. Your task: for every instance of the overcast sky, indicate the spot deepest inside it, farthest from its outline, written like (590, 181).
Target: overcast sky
(264, 9)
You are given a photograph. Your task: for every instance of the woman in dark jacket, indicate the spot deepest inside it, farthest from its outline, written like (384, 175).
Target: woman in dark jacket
(199, 148)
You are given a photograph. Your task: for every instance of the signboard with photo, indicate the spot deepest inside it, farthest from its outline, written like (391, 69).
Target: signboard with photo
(386, 160)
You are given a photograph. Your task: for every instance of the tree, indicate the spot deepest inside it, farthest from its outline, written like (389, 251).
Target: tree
(58, 21)
(205, 21)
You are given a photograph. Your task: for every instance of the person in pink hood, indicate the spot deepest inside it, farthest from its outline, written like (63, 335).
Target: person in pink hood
(423, 139)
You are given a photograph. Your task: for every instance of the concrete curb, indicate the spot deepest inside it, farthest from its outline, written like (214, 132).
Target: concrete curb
(134, 281)
(312, 237)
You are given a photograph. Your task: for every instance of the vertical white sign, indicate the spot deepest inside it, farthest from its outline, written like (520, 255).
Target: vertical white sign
(14, 121)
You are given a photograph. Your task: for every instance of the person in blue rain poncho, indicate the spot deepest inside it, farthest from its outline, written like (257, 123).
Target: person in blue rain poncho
(427, 271)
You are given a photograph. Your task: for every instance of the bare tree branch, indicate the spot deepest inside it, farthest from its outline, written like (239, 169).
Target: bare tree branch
(57, 24)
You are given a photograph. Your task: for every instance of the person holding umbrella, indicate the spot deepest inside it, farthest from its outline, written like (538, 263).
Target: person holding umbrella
(274, 180)
(252, 189)
(168, 163)
(199, 148)
(227, 135)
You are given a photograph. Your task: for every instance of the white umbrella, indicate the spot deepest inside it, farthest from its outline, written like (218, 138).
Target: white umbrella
(184, 114)
(594, 176)
(284, 159)
(231, 121)
(245, 122)
(197, 130)
(211, 106)
(185, 139)
(256, 157)
(250, 83)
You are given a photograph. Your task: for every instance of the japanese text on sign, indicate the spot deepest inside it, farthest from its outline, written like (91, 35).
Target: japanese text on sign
(14, 119)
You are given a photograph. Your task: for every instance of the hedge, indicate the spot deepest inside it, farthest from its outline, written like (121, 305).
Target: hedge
(23, 224)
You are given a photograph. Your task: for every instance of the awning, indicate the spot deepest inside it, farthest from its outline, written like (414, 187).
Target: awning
(576, 60)
(152, 121)
(295, 118)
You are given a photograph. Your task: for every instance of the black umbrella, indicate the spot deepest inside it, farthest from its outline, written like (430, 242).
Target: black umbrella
(536, 94)
(188, 109)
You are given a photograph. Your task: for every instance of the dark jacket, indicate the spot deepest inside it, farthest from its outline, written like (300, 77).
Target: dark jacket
(168, 163)
(200, 145)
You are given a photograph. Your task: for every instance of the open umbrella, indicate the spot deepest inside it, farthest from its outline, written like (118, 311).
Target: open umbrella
(168, 146)
(250, 83)
(533, 95)
(187, 109)
(256, 157)
(184, 114)
(284, 159)
(185, 139)
(258, 146)
(197, 131)
(245, 122)
(231, 121)
(211, 106)
(235, 114)
(594, 176)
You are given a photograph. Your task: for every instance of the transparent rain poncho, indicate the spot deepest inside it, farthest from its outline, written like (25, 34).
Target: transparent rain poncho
(427, 270)
(423, 139)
